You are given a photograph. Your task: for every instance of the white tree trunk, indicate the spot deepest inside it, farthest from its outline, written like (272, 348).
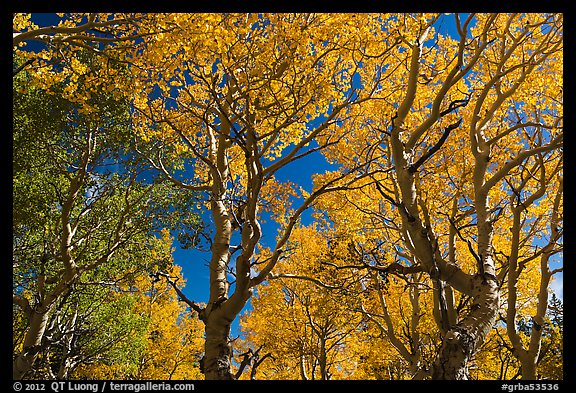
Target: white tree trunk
(463, 340)
(24, 361)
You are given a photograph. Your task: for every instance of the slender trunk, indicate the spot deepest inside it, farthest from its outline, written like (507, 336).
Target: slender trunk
(302, 365)
(323, 360)
(528, 357)
(463, 340)
(24, 361)
(217, 352)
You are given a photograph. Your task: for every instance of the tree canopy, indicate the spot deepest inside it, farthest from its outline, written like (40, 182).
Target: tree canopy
(425, 247)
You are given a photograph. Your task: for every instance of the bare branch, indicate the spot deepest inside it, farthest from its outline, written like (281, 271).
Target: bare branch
(328, 187)
(183, 297)
(272, 276)
(414, 167)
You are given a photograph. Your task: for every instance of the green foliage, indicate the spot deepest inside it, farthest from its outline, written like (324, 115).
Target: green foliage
(114, 217)
(175, 208)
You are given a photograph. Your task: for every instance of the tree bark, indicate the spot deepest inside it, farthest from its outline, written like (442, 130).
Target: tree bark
(218, 352)
(23, 362)
(463, 340)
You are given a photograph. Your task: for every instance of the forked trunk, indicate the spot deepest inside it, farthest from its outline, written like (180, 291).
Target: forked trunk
(463, 340)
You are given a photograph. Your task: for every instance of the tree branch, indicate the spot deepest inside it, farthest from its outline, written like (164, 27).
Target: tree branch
(183, 297)
(328, 187)
(556, 143)
(23, 303)
(272, 276)
(414, 167)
